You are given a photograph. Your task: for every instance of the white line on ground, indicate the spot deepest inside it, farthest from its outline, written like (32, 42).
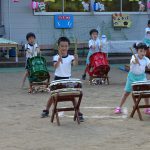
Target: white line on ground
(99, 117)
(124, 114)
(97, 107)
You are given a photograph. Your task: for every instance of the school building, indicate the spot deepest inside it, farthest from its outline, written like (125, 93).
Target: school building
(122, 21)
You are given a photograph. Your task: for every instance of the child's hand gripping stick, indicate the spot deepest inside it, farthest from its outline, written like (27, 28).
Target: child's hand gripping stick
(137, 61)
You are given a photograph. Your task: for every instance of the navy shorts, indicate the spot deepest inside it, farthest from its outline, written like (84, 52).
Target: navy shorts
(60, 78)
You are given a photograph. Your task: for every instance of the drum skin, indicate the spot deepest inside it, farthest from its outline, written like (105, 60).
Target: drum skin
(65, 84)
(141, 86)
(98, 59)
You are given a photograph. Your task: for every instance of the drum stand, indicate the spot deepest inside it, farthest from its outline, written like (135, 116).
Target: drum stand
(98, 80)
(136, 99)
(98, 76)
(74, 98)
(41, 86)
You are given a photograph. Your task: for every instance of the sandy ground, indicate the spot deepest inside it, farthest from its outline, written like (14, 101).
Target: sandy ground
(21, 127)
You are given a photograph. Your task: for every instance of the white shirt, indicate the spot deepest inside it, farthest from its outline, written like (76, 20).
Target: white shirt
(96, 43)
(136, 68)
(64, 68)
(31, 51)
(147, 29)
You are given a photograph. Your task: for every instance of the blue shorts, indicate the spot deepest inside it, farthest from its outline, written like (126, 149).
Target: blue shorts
(88, 57)
(133, 78)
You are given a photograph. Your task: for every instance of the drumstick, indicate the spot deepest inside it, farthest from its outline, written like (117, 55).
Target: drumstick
(76, 51)
(94, 44)
(76, 47)
(101, 45)
(134, 55)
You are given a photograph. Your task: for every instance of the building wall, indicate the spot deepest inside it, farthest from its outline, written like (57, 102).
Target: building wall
(18, 19)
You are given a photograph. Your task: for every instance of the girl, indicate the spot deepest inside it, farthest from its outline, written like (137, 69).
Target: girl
(137, 73)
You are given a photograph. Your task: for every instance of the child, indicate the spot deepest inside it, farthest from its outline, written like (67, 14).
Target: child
(62, 64)
(94, 46)
(141, 6)
(147, 40)
(137, 73)
(32, 50)
(148, 26)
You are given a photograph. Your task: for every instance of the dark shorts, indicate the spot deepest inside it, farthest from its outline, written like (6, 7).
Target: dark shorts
(60, 78)
(27, 64)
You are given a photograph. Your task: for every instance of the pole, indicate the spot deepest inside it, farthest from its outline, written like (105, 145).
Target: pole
(9, 19)
(63, 10)
(91, 6)
(121, 6)
(63, 6)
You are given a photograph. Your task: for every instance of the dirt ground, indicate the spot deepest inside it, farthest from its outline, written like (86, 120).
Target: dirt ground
(21, 127)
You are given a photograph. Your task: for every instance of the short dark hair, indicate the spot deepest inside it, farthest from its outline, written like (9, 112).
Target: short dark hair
(148, 22)
(140, 46)
(92, 31)
(30, 34)
(63, 39)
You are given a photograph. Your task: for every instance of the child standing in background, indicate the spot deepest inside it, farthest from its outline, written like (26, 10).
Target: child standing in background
(32, 49)
(94, 46)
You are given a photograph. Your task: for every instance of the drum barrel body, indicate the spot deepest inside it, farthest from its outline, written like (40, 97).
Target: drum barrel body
(98, 64)
(141, 87)
(38, 69)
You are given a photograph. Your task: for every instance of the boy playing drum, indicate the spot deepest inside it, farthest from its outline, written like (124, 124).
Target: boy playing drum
(62, 64)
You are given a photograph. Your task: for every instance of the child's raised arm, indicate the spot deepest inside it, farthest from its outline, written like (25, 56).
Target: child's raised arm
(134, 60)
(57, 62)
(92, 44)
(75, 61)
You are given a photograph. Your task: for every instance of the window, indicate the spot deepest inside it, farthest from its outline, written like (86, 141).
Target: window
(57, 5)
(132, 5)
(48, 6)
(77, 6)
(109, 5)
